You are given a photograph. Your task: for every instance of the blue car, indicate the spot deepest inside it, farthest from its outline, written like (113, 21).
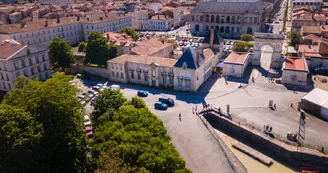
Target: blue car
(160, 105)
(142, 93)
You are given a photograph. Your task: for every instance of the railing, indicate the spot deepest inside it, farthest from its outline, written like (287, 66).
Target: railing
(234, 162)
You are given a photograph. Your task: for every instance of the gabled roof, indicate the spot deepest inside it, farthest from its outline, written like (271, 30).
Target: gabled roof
(188, 57)
(9, 48)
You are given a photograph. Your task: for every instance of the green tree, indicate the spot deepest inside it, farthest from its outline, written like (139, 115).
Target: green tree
(82, 46)
(131, 32)
(53, 103)
(14, 10)
(20, 137)
(141, 139)
(137, 102)
(295, 38)
(246, 37)
(240, 46)
(60, 53)
(1, 3)
(109, 100)
(98, 51)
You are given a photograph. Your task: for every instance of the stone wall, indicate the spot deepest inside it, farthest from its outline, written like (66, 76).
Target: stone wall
(278, 149)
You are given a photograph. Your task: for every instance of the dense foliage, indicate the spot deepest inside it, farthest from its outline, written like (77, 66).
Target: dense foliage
(53, 104)
(241, 46)
(295, 38)
(285, 17)
(131, 32)
(82, 46)
(98, 51)
(246, 37)
(20, 137)
(133, 139)
(60, 53)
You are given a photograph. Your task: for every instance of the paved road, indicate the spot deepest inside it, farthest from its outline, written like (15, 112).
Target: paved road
(278, 22)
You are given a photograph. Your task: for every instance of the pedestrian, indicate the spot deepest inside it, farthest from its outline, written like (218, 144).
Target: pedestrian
(192, 109)
(323, 149)
(180, 116)
(291, 105)
(271, 129)
(219, 109)
(274, 105)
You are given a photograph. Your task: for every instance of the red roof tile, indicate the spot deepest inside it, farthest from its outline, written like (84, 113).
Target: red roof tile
(9, 48)
(295, 63)
(237, 57)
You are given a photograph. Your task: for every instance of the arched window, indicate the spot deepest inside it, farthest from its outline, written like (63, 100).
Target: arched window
(217, 28)
(227, 29)
(233, 19)
(249, 30)
(196, 27)
(212, 18)
(207, 18)
(217, 19)
(222, 29)
(206, 28)
(228, 19)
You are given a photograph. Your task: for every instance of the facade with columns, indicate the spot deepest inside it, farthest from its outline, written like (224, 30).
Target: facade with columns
(228, 17)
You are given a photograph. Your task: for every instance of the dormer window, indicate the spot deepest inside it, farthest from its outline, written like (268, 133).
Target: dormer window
(184, 66)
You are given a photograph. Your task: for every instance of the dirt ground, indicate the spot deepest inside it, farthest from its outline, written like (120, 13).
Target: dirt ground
(320, 82)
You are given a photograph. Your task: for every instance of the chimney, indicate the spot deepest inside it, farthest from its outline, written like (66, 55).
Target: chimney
(158, 16)
(107, 37)
(78, 18)
(46, 23)
(211, 38)
(58, 19)
(87, 18)
(100, 18)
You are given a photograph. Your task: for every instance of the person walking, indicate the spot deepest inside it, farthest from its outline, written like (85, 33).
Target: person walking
(180, 116)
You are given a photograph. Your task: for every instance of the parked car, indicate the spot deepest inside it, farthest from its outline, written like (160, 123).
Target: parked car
(96, 88)
(93, 92)
(166, 100)
(81, 96)
(100, 84)
(142, 93)
(88, 131)
(83, 103)
(160, 105)
(115, 87)
(86, 121)
(321, 71)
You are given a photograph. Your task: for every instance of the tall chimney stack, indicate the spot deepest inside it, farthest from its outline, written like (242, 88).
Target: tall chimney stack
(58, 19)
(211, 38)
(46, 23)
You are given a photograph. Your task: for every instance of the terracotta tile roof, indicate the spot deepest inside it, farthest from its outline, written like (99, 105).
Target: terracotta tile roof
(150, 46)
(312, 37)
(315, 55)
(311, 29)
(317, 17)
(208, 53)
(295, 63)
(308, 48)
(14, 28)
(237, 57)
(119, 39)
(160, 17)
(167, 62)
(9, 48)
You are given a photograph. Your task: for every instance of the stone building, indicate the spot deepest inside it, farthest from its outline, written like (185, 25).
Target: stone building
(233, 18)
(236, 63)
(71, 29)
(17, 59)
(294, 71)
(187, 73)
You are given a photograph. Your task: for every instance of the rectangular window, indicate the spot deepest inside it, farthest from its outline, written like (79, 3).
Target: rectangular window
(46, 75)
(122, 75)
(113, 74)
(25, 73)
(16, 65)
(116, 66)
(187, 84)
(7, 76)
(139, 76)
(17, 74)
(171, 80)
(32, 71)
(146, 77)
(164, 80)
(117, 74)
(132, 75)
(121, 66)
(4, 85)
(180, 83)
(30, 61)
(112, 66)
(44, 66)
(39, 69)
(40, 77)
(1, 76)
(9, 86)
(37, 59)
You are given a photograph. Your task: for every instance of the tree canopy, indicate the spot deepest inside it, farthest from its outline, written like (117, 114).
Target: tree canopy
(130, 138)
(60, 53)
(20, 136)
(98, 51)
(54, 105)
(295, 38)
(246, 37)
(131, 32)
(82, 46)
(241, 46)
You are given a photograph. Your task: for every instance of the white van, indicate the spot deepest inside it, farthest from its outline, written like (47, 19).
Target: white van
(115, 87)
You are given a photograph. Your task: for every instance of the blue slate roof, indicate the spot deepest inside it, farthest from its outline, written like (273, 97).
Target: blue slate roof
(188, 57)
(216, 38)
